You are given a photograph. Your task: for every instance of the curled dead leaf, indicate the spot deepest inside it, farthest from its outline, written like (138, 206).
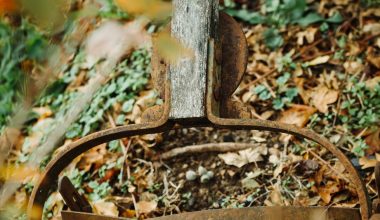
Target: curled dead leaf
(297, 115)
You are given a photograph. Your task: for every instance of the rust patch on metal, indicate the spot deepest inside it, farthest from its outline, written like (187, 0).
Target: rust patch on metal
(267, 213)
(234, 54)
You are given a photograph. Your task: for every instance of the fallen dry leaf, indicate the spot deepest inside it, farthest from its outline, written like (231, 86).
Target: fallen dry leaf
(319, 60)
(322, 96)
(275, 195)
(244, 157)
(249, 181)
(145, 207)
(102, 207)
(353, 67)
(297, 115)
(308, 34)
(373, 141)
(374, 60)
(372, 83)
(366, 162)
(326, 192)
(372, 28)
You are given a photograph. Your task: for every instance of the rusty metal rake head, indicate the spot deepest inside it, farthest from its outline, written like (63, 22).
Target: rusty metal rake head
(209, 78)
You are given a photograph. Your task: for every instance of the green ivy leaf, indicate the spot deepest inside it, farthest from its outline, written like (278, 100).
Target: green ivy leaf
(335, 18)
(272, 38)
(310, 18)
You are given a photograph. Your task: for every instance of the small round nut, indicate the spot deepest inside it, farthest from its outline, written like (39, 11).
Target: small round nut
(191, 175)
(205, 178)
(201, 171)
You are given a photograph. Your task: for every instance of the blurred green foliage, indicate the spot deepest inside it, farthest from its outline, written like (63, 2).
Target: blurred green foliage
(17, 45)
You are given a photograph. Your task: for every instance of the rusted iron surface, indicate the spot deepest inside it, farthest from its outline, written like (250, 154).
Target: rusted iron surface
(234, 49)
(74, 200)
(271, 213)
(157, 120)
(259, 213)
(70, 215)
(376, 202)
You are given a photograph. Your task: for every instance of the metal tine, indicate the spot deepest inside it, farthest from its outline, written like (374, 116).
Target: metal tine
(75, 201)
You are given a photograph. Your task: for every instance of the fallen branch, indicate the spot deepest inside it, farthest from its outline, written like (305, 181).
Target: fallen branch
(203, 148)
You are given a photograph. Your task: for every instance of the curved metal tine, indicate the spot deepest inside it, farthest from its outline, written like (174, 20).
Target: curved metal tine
(49, 178)
(253, 124)
(74, 200)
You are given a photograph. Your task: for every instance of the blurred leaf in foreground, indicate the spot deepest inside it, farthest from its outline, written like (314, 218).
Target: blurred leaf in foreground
(8, 6)
(153, 9)
(170, 48)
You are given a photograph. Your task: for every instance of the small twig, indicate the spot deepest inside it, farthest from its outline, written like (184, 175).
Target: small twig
(203, 148)
(254, 82)
(135, 205)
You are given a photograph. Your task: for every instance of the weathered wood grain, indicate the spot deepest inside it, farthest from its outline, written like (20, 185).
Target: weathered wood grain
(193, 24)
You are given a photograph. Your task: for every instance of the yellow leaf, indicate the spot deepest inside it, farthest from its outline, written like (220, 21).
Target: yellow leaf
(17, 173)
(154, 9)
(170, 48)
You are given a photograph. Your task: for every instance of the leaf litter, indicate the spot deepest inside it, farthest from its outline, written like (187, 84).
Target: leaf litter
(322, 74)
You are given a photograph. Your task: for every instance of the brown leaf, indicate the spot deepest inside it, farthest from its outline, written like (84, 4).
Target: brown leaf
(366, 162)
(322, 96)
(145, 207)
(373, 141)
(297, 115)
(374, 60)
(326, 192)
